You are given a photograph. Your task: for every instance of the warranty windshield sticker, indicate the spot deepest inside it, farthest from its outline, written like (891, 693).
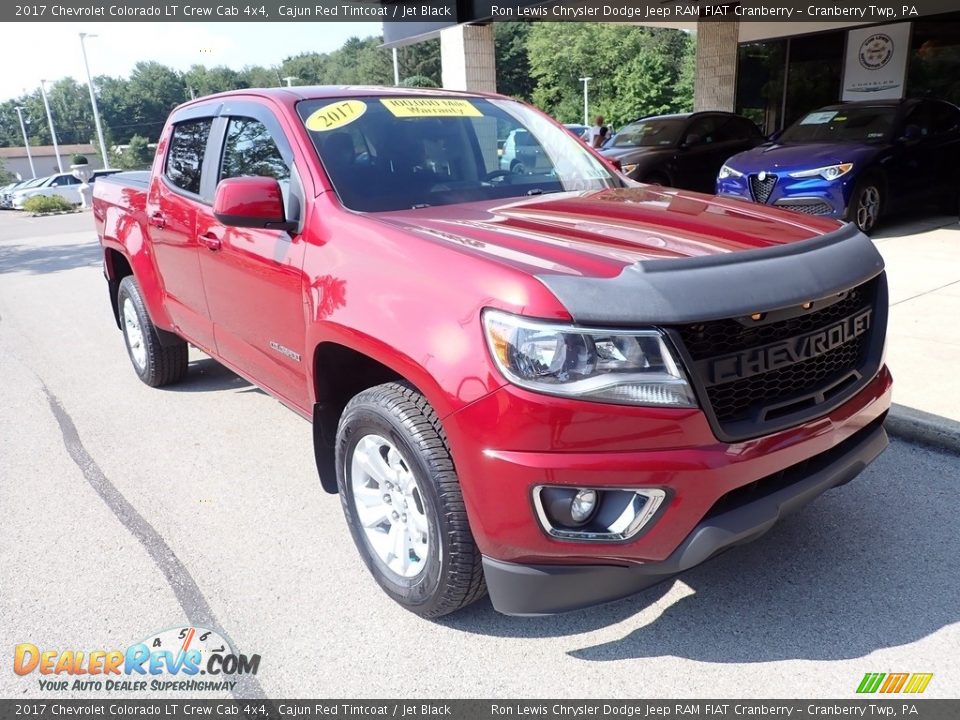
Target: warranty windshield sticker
(335, 115)
(431, 107)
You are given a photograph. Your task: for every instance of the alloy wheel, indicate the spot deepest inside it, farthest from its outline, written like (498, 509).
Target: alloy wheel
(134, 334)
(390, 506)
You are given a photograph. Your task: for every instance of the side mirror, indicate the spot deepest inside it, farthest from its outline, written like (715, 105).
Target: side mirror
(691, 140)
(254, 202)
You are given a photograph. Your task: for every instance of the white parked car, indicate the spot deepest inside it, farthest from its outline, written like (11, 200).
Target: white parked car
(6, 192)
(65, 185)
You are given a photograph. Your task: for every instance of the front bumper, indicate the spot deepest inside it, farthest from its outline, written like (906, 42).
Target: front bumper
(811, 196)
(499, 445)
(518, 589)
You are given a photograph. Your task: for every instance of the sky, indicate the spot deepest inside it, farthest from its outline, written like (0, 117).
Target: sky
(30, 52)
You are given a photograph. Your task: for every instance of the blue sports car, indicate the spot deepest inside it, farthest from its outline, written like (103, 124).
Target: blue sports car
(854, 161)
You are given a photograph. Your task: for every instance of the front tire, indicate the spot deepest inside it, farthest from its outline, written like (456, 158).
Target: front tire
(402, 500)
(866, 203)
(155, 364)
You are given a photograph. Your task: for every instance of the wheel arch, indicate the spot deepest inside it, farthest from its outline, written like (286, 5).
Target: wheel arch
(340, 372)
(117, 265)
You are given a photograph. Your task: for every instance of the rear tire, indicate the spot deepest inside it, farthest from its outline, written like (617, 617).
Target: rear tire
(402, 500)
(656, 179)
(155, 364)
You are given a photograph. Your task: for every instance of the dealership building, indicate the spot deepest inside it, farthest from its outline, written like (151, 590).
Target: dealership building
(772, 71)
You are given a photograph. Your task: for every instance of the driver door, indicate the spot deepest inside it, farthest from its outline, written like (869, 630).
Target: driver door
(253, 277)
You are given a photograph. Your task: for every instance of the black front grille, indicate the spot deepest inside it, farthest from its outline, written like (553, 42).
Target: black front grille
(761, 189)
(744, 369)
(817, 207)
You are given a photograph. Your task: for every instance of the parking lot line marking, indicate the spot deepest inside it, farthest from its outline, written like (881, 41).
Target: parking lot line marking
(184, 587)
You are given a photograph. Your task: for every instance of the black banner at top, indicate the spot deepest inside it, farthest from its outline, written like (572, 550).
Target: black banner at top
(436, 14)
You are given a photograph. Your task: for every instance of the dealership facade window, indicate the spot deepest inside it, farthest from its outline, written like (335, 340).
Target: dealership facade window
(780, 80)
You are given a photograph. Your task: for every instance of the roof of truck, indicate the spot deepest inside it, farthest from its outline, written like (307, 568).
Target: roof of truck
(314, 92)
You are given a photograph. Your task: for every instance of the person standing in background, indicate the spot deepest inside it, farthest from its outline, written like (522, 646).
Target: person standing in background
(594, 134)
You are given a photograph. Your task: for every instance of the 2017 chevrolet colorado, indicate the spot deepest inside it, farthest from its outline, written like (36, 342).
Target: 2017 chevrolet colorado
(553, 384)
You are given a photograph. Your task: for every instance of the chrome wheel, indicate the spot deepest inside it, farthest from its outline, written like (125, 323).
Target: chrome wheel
(389, 505)
(868, 207)
(134, 334)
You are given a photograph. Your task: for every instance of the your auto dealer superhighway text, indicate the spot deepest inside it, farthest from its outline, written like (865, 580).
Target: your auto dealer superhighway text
(615, 11)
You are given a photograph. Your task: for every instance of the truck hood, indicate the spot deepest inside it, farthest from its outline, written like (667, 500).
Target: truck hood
(650, 255)
(791, 157)
(598, 233)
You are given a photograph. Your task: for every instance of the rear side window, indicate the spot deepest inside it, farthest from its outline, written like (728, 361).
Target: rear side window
(185, 157)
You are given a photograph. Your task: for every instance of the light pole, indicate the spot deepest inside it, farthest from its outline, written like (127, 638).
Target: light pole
(53, 133)
(586, 106)
(289, 80)
(26, 141)
(93, 101)
(396, 68)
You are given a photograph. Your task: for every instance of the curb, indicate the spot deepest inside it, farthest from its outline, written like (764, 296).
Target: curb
(924, 428)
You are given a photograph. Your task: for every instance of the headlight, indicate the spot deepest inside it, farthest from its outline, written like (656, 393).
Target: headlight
(627, 169)
(830, 172)
(727, 172)
(627, 367)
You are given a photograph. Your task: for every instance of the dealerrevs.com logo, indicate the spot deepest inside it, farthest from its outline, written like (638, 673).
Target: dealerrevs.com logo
(189, 659)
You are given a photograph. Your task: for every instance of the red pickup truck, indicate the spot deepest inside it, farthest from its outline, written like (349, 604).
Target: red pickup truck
(551, 384)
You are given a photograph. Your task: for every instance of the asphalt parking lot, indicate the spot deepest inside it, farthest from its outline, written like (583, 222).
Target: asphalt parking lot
(127, 510)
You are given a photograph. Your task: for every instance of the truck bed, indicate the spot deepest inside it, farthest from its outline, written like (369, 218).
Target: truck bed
(139, 179)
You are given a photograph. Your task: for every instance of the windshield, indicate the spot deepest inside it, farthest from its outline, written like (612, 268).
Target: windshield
(853, 124)
(418, 151)
(650, 133)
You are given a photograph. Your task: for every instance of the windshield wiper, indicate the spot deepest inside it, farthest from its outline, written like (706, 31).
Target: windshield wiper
(534, 191)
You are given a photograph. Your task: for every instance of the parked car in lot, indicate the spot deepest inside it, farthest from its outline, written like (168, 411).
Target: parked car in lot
(6, 193)
(560, 386)
(65, 185)
(577, 129)
(684, 151)
(854, 161)
(523, 154)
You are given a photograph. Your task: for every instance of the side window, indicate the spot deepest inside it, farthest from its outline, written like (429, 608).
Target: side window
(921, 117)
(746, 129)
(249, 149)
(704, 128)
(945, 119)
(729, 130)
(185, 156)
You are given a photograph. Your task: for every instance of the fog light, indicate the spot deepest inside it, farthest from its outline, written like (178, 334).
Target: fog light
(583, 505)
(596, 515)
(569, 507)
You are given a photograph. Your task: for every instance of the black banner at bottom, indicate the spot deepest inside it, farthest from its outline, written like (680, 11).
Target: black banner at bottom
(906, 708)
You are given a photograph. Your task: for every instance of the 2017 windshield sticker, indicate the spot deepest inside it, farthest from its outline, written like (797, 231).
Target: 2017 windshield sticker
(430, 107)
(335, 115)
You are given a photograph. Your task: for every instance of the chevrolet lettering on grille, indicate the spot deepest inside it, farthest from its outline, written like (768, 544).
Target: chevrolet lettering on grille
(737, 366)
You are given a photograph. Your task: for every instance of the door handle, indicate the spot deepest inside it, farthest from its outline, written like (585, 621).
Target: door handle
(210, 241)
(156, 220)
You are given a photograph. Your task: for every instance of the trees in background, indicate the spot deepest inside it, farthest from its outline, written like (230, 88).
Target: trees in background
(636, 71)
(136, 155)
